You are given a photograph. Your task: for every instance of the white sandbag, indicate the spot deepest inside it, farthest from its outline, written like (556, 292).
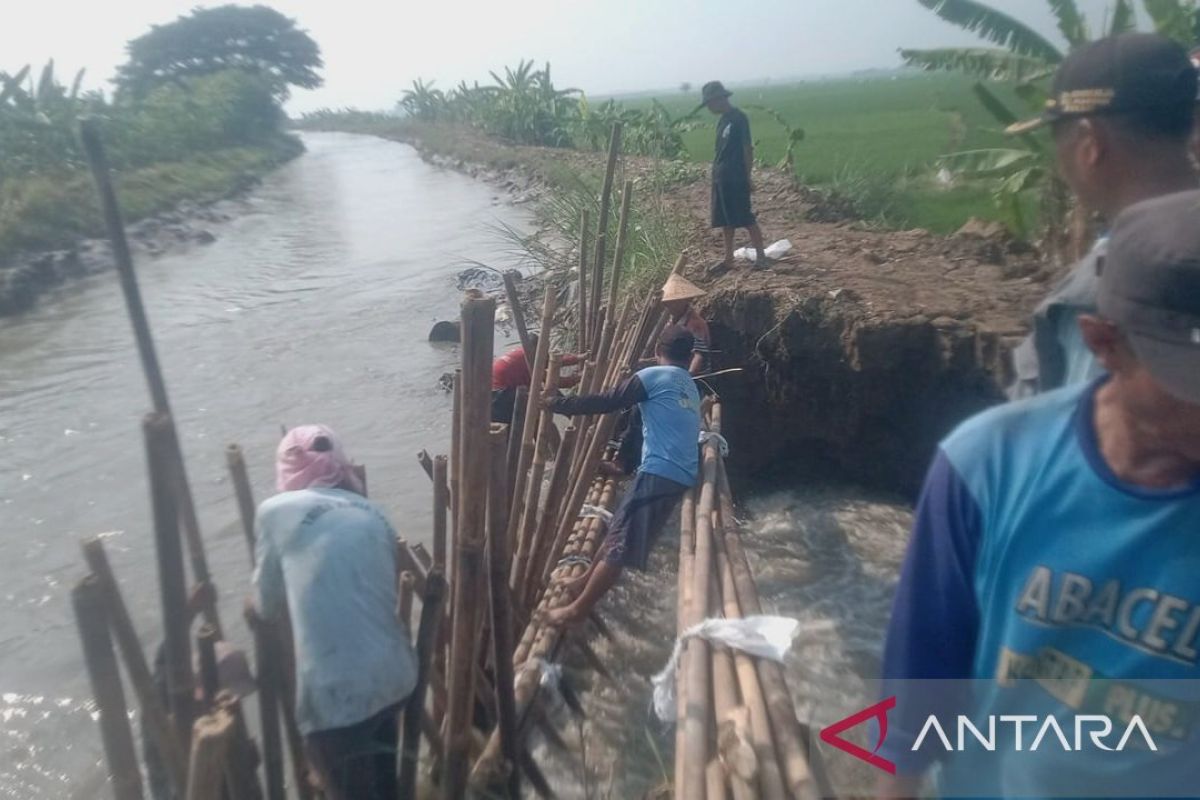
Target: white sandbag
(773, 251)
(763, 636)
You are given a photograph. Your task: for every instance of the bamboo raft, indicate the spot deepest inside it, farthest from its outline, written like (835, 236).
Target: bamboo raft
(517, 508)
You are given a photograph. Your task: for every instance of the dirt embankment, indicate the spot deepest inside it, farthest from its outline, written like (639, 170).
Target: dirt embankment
(861, 348)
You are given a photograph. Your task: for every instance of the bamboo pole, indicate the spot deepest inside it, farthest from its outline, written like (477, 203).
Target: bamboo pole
(245, 495)
(690, 786)
(404, 603)
(210, 682)
(537, 472)
(534, 408)
(502, 626)
(455, 462)
(241, 766)
(541, 644)
(614, 149)
(614, 277)
(770, 777)
(552, 508)
(581, 329)
(788, 733)
(518, 315)
(478, 319)
(93, 147)
(210, 751)
(440, 500)
(714, 780)
(88, 600)
(268, 662)
(432, 603)
(687, 554)
(154, 715)
(516, 435)
(158, 430)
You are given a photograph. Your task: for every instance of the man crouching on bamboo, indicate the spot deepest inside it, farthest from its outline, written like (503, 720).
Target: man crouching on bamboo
(670, 407)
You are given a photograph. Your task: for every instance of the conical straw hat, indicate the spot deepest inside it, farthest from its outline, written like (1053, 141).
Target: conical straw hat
(678, 287)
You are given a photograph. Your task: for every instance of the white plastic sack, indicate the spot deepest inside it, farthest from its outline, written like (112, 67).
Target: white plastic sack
(772, 251)
(762, 635)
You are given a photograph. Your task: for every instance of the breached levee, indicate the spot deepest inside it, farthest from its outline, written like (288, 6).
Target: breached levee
(833, 387)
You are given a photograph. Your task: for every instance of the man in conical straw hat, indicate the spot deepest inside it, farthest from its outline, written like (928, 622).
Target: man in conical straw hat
(677, 296)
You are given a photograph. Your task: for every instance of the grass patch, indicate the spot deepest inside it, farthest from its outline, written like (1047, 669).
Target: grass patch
(892, 129)
(42, 212)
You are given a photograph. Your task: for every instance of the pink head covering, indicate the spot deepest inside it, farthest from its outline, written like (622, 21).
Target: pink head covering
(311, 457)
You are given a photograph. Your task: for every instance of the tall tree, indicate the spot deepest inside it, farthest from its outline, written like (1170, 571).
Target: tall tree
(255, 39)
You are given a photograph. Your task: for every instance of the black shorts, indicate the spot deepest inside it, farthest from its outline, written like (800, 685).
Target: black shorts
(639, 519)
(731, 204)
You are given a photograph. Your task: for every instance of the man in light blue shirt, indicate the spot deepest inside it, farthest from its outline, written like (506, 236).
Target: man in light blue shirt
(327, 556)
(670, 412)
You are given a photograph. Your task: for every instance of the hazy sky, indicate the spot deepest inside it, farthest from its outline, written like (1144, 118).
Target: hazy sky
(374, 49)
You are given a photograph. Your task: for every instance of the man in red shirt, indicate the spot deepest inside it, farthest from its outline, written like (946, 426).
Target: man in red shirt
(511, 371)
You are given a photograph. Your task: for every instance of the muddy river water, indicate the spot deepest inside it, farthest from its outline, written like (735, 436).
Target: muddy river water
(313, 305)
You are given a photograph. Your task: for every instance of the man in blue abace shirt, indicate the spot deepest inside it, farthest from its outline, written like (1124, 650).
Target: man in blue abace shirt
(1057, 539)
(669, 403)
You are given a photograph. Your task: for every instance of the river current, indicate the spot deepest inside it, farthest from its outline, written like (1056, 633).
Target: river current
(313, 305)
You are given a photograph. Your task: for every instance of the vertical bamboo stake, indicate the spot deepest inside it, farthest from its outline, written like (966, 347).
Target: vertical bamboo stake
(269, 681)
(502, 626)
(154, 715)
(210, 682)
(88, 600)
(518, 315)
(440, 501)
(516, 436)
(614, 277)
(532, 411)
(614, 149)
(478, 320)
(537, 472)
(581, 330)
(158, 430)
(245, 496)
(93, 147)
(455, 458)
(552, 509)
(432, 604)
(210, 751)
(404, 604)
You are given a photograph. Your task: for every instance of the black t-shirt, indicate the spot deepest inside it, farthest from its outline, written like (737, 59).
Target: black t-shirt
(733, 136)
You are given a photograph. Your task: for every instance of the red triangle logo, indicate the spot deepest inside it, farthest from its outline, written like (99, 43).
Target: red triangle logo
(832, 735)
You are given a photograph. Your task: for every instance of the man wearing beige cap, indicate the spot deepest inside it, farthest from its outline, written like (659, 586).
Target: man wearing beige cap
(1121, 114)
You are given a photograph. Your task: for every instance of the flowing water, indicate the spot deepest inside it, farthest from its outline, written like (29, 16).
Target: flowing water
(313, 305)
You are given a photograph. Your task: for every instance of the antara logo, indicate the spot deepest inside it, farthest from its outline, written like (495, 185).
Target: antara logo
(1090, 731)
(832, 735)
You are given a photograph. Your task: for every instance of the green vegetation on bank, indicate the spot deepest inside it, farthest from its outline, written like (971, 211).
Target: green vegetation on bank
(43, 213)
(197, 125)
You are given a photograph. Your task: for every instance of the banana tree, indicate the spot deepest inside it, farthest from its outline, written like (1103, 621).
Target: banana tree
(1026, 59)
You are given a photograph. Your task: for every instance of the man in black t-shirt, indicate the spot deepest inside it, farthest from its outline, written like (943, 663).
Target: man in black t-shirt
(731, 181)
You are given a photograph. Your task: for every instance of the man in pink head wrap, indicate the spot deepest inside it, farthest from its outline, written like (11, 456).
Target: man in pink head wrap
(327, 555)
(311, 457)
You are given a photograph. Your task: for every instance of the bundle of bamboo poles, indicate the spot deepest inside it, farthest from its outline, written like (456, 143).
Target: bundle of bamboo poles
(737, 733)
